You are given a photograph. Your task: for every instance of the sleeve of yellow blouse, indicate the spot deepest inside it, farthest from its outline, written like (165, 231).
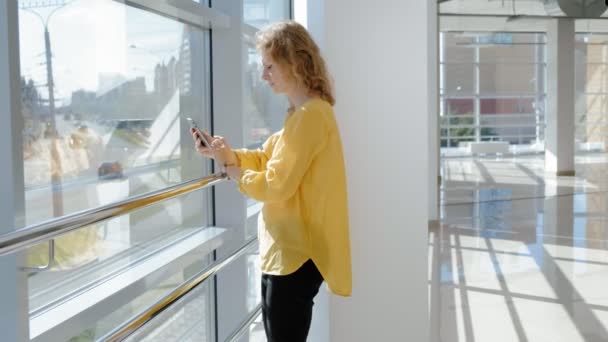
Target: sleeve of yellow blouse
(255, 159)
(251, 159)
(304, 136)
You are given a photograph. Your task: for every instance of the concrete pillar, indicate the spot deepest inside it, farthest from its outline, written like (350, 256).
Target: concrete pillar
(559, 135)
(378, 54)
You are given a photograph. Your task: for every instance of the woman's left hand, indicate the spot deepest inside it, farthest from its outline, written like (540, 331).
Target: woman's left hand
(222, 151)
(234, 172)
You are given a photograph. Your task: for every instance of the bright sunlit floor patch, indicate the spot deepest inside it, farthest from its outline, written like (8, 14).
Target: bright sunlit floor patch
(543, 321)
(521, 255)
(588, 281)
(476, 269)
(483, 317)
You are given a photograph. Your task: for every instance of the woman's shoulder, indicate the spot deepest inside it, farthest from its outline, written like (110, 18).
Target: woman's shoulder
(318, 103)
(315, 107)
(315, 112)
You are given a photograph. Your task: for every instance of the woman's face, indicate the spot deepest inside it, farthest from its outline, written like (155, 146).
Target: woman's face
(272, 73)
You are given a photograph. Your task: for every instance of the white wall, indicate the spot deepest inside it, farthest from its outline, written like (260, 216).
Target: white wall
(378, 53)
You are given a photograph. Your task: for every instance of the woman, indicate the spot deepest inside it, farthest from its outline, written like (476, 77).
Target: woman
(299, 176)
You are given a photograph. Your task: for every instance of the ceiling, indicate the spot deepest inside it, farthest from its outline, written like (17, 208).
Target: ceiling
(514, 15)
(555, 8)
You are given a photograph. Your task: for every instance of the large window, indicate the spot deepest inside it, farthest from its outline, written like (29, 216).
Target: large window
(591, 75)
(492, 88)
(105, 92)
(123, 81)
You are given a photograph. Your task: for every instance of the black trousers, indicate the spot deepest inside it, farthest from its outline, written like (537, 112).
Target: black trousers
(287, 303)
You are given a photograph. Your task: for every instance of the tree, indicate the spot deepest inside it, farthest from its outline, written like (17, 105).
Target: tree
(467, 133)
(30, 98)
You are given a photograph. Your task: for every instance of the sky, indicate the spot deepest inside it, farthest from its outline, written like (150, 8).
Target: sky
(93, 37)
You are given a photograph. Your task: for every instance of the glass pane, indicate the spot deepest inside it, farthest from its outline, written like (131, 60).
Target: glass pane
(115, 118)
(106, 273)
(592, 125)
(459, 141)
(591, 56)
(595, 135)
(259, 13)
(184, 321)
(263, 112)
(592, 47)
(508, 120)
(458, 48)
(105, 97)
(592, 103)
(507, 133)
(458, 106)
(508, 78)
(255, 332)
(511, 75)
(513, 48)
(595, 77)
(459, 79)
(445, 121)
(464, 131)
(507, 105)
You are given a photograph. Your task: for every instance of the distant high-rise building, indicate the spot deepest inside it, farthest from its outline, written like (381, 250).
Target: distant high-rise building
(108, 81)
(184, 69)
(83, 102)
(127, 101)
(160, 80)
(172, 74)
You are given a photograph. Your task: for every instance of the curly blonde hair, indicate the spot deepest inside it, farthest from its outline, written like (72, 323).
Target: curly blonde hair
(292, 47)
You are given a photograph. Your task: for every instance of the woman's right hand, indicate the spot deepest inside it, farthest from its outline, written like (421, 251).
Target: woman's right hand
(198, 144)
(220, 150)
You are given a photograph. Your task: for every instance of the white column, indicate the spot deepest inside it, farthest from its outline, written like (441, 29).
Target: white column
(433, 124)
(559, 135)
(477, 80)
(378, 53)
(14, 317)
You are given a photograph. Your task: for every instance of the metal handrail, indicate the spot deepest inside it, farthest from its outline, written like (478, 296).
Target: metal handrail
(136, 322)
(44, 231)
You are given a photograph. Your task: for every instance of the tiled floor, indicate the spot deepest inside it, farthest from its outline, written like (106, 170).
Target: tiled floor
(520, 255)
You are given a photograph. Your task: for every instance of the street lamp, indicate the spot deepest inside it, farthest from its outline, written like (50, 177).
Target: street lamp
(156, 55)
(58, 4)
(55, 156)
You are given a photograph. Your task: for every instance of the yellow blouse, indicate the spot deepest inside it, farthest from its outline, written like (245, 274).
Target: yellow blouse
(300, 177)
